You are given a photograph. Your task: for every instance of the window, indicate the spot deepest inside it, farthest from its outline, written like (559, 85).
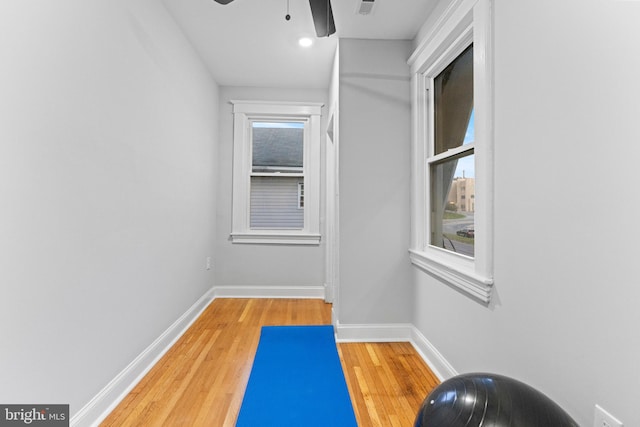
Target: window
(452, 146)
(277, 170)
(276, 173)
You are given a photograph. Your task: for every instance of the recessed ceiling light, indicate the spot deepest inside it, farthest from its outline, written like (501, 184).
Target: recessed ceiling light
(305, 41)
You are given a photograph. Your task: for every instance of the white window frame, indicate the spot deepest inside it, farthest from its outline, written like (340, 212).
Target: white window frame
(463, 23)
(246, 112)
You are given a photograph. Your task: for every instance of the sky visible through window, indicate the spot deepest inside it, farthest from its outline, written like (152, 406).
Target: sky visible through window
(289, 125)
(466, 165)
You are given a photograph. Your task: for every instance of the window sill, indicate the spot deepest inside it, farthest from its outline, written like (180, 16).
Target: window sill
(275, 238)
(467, 282)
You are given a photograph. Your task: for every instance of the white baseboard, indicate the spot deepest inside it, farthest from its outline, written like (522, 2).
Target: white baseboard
(400, 332)
(112, 394)
(432, 357)
(301, 292)
(373, 333)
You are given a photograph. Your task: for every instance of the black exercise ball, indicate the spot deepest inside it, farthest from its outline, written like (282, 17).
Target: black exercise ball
(488, 400)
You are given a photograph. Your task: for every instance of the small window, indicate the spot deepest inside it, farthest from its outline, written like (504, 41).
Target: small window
(276, 174)
(277, 168)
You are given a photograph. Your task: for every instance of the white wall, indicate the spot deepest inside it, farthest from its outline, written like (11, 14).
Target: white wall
(375, 281)
(566, 245)
(252, 265)
(107, 175)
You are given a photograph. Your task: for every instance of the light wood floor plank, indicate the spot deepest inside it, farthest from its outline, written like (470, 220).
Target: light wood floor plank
(202, 378)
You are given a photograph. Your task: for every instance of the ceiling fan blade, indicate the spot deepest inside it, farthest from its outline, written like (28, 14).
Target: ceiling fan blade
(223, 1)
(322, 17)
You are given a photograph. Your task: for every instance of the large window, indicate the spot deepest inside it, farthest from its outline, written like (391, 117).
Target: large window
(451, 159)
(452, 147)
(276, 173)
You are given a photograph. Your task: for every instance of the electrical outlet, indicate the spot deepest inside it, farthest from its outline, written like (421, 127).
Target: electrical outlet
(604, 419)
(208, 263)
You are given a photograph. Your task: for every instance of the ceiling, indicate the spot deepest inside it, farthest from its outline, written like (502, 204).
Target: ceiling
(249, 42)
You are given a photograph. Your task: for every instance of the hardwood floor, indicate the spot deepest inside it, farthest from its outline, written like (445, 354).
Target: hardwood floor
(201, 379)
(387, 382)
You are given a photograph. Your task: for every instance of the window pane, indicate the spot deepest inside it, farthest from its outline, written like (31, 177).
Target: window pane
(277, 147)
(453, 103)
(453, 204)
(275, 203)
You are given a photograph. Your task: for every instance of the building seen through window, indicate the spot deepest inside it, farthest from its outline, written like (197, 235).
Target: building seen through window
(277, 175)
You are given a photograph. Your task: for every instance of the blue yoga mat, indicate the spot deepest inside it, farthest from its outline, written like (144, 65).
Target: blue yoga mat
(296, 381)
